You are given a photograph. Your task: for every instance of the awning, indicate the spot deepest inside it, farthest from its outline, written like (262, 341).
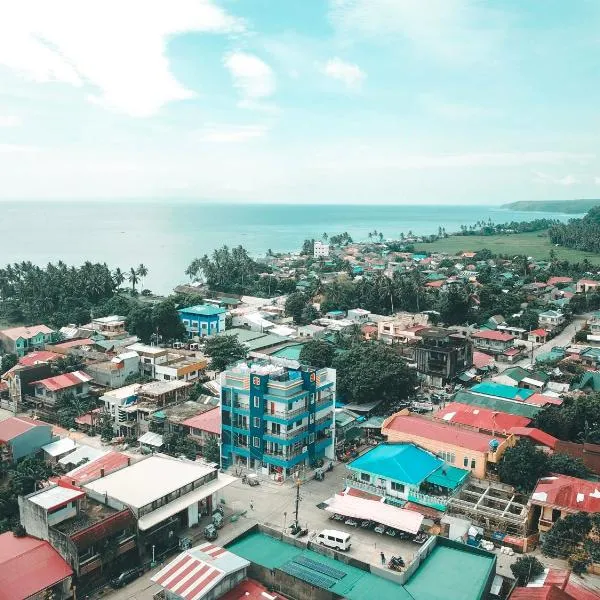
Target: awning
(151, 439)
(386, 514)
(185, 501)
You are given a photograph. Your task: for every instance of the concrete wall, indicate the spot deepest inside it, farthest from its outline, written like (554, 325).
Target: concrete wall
(31, 441)
(33, 518)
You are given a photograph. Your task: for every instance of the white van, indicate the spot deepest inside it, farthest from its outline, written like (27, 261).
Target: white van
(333, 538)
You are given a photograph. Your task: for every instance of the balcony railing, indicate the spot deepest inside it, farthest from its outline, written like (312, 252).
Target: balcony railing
(286, 435)
(439, 502)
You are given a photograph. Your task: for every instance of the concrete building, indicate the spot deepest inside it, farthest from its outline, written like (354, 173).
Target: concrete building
(114, 372)
(402, 328)
(205, 572)
(150, 357)
(49, 390)
(358, 315)
(320, 250)
(277, 419)
(405, 472)
(311, 331)
(115, 403)
(112, 326)
(20, 340)
(583, 286)
(165, 495)
(180, 368)
(203, 427)
(495, 342)
(21, 437)
(202, 320)
(79, 528)
(460, 447)
(551, 319)
(441, 356)
(30, 568)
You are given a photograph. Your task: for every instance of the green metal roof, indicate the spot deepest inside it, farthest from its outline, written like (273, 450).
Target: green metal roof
(513, 407)
(519, 373)
(290, 352)
(591, 379)
(448, 477)
(452, 571)
(243, 335)
(203, 310)
(266, 341)
(356, 584)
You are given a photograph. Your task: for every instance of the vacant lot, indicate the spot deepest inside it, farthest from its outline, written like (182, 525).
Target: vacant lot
(534, 244)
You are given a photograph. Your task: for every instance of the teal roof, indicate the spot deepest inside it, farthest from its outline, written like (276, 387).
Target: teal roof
(592, 353)
(512, 407)
(203, 310)
(243, 335)
(453, 571)
(355, 584)
(551, 356)
(519, 373)
(289, 352)
(265, 341)
(448, 476)
(591, 379)
(508, 392)
(405, 463)
(419, 256)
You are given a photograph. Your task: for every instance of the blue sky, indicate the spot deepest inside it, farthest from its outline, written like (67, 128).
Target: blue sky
(387, 101)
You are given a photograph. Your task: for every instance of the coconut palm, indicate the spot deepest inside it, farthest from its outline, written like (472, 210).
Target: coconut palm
(118, 277)
(133, 278)
(142, 272)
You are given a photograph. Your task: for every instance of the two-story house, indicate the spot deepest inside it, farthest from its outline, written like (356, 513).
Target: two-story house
(276, 419)
(49, 390)
(495, 342)
(405, 472)
(21, 437)
(202, 320)
(551, 319)
(114, 372)
(20, 340)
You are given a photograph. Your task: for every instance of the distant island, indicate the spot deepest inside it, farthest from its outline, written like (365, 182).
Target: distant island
(571, 207)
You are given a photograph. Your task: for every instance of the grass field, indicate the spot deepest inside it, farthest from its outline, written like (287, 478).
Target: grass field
(531, 244)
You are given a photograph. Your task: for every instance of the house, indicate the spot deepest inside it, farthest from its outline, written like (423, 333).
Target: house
(559, 281)
(95, 467)
(112, 326)
(49, 390)
(560, 495)
(150, 357)
(347, 427)
(441, 355)
(496, 342)
(116, 403)
(540, 439)
(480, 419)
(523, 378)
(320, 250)
(54, 451)
(205, 571)
(501, 390)
(405, 472)
(203, 427)
(32, 568)
(457, 446)
(591, 357)
(180, 368)
(551, 319)
(114, 372)
(21, 437)
(275, 418)
(498, 403)
(164, 494)
(402, 328)
(202, 320)
(79, 528)
(20, 340)
(358, 315)
(583, 286)
(555, 584)
(170, 419)
(537, 336)
(38, 357)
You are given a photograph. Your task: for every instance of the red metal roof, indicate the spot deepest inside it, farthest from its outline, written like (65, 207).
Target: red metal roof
(435, 284)
(537, 435)
(250, 590)
(481, 359)
(28, 566)
(555, 280)
(73, 344)
(542, 400)
(539, 332)
(540, 593)
(441, 432)
(493, 335)
(15, 426)
(569, 493)
(426, 511)
(34, 358)
(480, 418)
(62, 382)
(209, 421)
(86, 418)
(113, 461)
(579, 591)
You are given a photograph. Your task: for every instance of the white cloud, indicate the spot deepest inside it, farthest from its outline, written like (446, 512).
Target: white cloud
(117, 49)
(16, 149)
(232, 133)
(449, 30)
(348, 73)
(9, 121)
(565, 180)
(454, 111)
(253, 77)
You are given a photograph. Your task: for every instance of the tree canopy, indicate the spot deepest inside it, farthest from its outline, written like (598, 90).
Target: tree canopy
(526, 568)
(369, 372)
(318, 354)
(224, 350)
(575, 420)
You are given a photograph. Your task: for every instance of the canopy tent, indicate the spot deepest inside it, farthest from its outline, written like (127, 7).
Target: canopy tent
(386, 514)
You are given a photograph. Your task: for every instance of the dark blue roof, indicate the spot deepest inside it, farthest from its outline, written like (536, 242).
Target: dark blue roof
(405, 463)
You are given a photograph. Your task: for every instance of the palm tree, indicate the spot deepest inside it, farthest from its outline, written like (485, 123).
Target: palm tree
(142, 271)
(118, 277)
(133, 278)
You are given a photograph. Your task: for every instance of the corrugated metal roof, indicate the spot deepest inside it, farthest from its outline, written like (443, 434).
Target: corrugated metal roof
(513, 407)
(15, 426)
(62, 382)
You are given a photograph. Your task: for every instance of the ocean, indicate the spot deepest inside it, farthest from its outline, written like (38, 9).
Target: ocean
(167, 235)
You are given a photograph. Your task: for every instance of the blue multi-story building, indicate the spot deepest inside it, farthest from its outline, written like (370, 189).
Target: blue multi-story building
(202, 320)
(277, 420)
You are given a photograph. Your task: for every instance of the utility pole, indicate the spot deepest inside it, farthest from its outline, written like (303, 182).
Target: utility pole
(296, 523)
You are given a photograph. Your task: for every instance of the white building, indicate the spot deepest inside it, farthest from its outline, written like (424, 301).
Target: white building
(321, 250)
(358, 315)
(113, 373)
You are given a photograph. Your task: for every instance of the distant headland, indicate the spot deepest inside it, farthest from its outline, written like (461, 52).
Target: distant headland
(571, 207)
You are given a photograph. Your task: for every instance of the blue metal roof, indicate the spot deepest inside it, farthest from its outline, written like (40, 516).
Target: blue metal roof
(509, 392)
(205, 310)
(405, 463)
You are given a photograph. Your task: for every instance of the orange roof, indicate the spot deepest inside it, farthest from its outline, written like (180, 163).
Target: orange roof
(555, 280)
(440, 432)
(436, 284)
(250, 590)
(481, 359)
(209, 421)
(480, 418)
(539, 332)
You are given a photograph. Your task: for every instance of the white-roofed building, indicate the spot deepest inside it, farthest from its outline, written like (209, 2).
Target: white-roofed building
(83, 453)
(58, 449)
(165, 494)
(196, 573)
(114, 372)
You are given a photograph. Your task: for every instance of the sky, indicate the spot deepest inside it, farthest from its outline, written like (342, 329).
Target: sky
(300, 101)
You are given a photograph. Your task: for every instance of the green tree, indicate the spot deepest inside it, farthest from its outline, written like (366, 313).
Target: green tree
(575, 420)
(9, 361)
(165, 319)
(566, 535)
(567, 465)
(178, 444)
(526, 568)
(28, 474)
(454, 305)
(318, 354)
(142, 271)
(294, 306)
(224, 350)
(133, 278)
(309, 314)
(522, 465)
(139, 322)
(211, 450)
(308, 247)
(106, 426)
(68, 406)
(371, 371)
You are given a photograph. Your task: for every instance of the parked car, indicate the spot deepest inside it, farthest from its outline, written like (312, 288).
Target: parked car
(126, 577)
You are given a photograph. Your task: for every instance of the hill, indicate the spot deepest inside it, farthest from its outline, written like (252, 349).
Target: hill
(570, 207)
